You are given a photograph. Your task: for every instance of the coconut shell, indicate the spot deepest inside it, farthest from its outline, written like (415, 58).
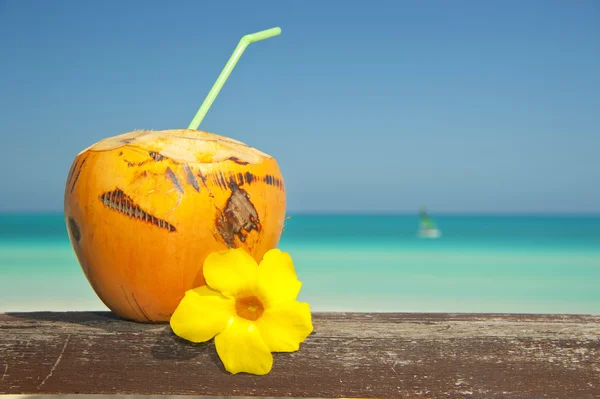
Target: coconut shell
(144, 209)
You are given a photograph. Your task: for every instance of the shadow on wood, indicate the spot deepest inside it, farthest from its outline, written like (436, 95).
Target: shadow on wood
(358, 355)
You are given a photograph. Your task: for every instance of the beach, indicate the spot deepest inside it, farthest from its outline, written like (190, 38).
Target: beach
(370, 263)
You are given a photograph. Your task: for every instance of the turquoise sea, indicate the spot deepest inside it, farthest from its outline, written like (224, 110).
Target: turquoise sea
(511, 264)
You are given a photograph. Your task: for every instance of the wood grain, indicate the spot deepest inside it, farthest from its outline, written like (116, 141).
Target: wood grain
(351, 355)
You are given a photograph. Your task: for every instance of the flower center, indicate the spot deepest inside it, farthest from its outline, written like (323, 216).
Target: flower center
(249, 308)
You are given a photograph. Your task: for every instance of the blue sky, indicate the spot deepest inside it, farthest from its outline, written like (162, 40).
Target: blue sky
(381, 106)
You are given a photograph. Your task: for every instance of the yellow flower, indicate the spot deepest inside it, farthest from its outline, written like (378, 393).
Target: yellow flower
(250, 309)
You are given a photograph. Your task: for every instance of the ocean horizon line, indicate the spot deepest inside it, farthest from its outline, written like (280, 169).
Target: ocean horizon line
(528, 214)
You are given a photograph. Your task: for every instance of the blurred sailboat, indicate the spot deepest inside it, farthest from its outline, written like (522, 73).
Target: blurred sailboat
(427, 227)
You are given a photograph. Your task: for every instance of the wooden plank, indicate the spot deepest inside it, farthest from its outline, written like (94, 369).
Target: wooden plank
(365, 355)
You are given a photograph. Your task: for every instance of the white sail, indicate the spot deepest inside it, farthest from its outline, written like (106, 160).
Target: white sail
(428, 228)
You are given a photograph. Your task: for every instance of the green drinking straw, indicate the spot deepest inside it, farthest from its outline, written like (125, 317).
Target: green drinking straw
(237, 53)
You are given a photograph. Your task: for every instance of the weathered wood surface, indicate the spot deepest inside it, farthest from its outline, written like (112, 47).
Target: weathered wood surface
(348, 355)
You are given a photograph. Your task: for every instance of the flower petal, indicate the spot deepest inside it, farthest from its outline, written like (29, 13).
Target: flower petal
(277, 280)
(201, 314)
(230, 271)
(242, 349)
(285, 326)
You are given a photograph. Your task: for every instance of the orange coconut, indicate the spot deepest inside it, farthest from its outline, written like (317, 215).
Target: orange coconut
(144, 209)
